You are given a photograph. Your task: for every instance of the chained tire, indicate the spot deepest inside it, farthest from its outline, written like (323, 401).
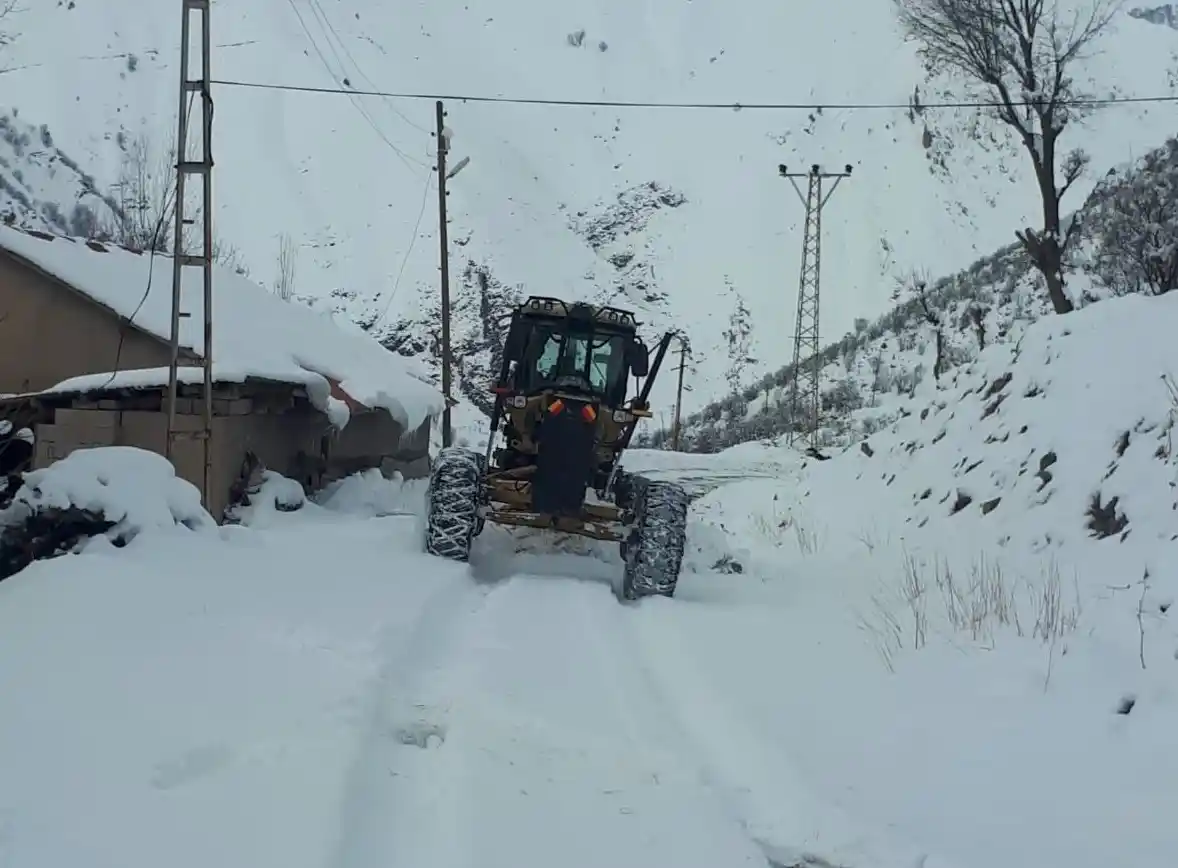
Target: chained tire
(653, 549)
(453, 499)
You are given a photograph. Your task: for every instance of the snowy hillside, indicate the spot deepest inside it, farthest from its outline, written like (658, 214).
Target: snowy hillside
(952, 647)
(43, 187)
(346, 177)
(1127, 243)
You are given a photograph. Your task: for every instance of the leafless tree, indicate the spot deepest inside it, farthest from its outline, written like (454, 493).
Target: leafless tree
(1021, 56)
(229, 256)
(7, 7)
(147, 191)
(287, 256)
(916, 284)
(147, 206)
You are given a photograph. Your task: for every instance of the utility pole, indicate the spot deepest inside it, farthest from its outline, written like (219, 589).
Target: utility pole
(443, 136)
(676, 423)
(190, 85)
(804, 389)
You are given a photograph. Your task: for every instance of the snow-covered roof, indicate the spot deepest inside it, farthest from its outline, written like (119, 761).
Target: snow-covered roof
(256, 334)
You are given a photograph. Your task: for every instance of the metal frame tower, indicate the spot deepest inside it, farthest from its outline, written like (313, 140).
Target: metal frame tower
(806, 341)
(193, 84)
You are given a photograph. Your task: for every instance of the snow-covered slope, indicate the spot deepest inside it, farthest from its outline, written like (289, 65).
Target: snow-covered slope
(43, 187)
(355, 198)
(1127, 243)
(1007, 549)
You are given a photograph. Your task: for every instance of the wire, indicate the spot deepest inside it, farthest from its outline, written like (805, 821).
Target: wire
(405, 158)
(409, 249)
(734, 106)
(315, 4)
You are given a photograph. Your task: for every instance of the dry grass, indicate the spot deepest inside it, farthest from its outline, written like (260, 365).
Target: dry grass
(980, 604)
(779, 527)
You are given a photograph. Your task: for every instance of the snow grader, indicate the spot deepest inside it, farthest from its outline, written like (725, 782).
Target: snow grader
(562, 419)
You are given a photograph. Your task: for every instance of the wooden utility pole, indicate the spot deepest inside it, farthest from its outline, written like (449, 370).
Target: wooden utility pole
(676, 420)
(806, 346)
(190, 85)
(443, 241)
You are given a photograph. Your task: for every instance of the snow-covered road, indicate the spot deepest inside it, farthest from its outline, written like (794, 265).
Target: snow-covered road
(314, 692)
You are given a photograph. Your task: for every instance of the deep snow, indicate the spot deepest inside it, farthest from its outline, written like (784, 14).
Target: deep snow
(860, 668)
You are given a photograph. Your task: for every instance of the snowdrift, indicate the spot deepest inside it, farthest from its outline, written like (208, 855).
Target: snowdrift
(114, 492)
(976, 605)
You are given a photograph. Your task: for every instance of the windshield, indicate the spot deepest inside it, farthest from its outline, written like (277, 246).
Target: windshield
(585, 361)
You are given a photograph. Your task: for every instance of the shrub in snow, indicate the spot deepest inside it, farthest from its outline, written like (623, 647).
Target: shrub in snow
(1134, 219)
(114, 491)
(266, 493)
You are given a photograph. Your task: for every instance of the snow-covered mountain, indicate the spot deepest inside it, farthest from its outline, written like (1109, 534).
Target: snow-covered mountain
(551, 201)
(43, 187)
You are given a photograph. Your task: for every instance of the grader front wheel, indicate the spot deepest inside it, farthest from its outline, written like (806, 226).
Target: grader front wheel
(653, 549)
(452, 503)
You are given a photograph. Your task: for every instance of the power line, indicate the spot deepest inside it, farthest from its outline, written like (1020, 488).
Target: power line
(733, 106)
(408, 250)
(405, 158)
(359, 70)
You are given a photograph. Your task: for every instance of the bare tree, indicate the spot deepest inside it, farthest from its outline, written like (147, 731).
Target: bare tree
(146, 191)
(228, 256)
(147, 206)
(1020, 55)
(1133, 218)
(916, 284)
(287, 256)
(7, 7)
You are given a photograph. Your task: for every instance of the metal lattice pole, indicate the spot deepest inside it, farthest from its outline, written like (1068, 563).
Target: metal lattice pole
(191, 86)
(805, 396)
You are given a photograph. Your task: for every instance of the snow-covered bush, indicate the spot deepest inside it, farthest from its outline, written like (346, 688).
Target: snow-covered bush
(271, 493)
(113, 491)
(1134, 221)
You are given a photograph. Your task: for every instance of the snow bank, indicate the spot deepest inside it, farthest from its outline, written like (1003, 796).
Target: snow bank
(371, 494)
(280, 503)
(117, 492)
(987, 589)
(275, 495)
(136, 489)
(257, 334)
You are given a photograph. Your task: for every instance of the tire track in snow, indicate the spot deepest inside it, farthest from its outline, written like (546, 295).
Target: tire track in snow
(634, 688)
(560, 753)
(400, 726)
(752, 778)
